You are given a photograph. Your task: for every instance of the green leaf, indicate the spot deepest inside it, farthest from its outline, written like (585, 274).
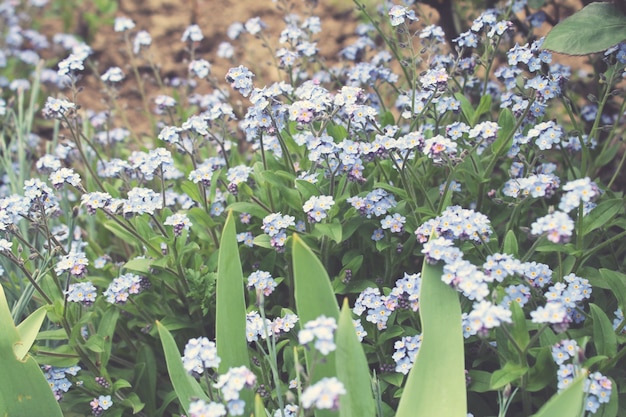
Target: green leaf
(601, 215)
(483, 107)
(259, 408)
(436, 383)
(509, 373)
(186, 387)
(133, 401)
(28, 330)
(595, 28)
(568, 402)
(230, 332)
(307, 189)
(141, 265)
(25, 391)
(503, 143)
(481, 381)
(617, 282)
(604, 337)
(146, 377)
(510, 243)
(466, 107)
(352, 369)
(314, 297)
(245, 207)
(332, 230)
(518, 330)
(106, 329)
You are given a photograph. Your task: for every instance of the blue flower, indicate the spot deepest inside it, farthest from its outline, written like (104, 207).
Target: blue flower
(397, 15)
(324, 394)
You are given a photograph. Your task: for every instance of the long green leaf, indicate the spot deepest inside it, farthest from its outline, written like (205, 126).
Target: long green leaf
(230, 332)
(603, 334)
(25, 391)
(28, 330)
(352, 369)
(436, 383)
(314, 296)
(568, 402)
(186, 387)
(595, 28)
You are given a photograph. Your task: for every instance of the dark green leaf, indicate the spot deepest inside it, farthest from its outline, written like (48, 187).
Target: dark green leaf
(186, 387)
(511, 372)
(604, 337)
(595, 28)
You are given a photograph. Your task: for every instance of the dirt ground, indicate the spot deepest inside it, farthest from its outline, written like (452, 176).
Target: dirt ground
(166, 20)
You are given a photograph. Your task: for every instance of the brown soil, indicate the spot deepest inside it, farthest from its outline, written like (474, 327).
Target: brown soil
(166, 21)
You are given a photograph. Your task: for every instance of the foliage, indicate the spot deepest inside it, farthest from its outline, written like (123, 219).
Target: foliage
(463, 202)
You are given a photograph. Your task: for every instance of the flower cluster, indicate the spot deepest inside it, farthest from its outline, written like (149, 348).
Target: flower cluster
(262, 281)
(597, 386)
(404, 295)
(257, 329)
(200, 354)
(275, 226)
(323, 395)
(123, 286)
(58, 380)
(82, 292)
(316, 207)
(405, 352)
(231, 383)
(179, 221)
(320, 330)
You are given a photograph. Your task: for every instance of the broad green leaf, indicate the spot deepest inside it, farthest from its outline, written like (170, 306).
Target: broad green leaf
(25, 391)
(481, 381)
(483, 107)
(139, 265)
(133, 401)
(604, 337)
(352, 369)
(509, 373)
(510, 243)
(536, 4)
(106, 329)
(230, 332)
(307, 189)
(314, 297)
(146, 377)
(595, 28)
(466, 107)
(436, 383)
(186, 387)
(332, 230)
(503, 143)
(28, 330)
(617, 282)
(245, 207)
(542, 372)
(601, 215)
(518, 330)
(568, 402)
(259, 408)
